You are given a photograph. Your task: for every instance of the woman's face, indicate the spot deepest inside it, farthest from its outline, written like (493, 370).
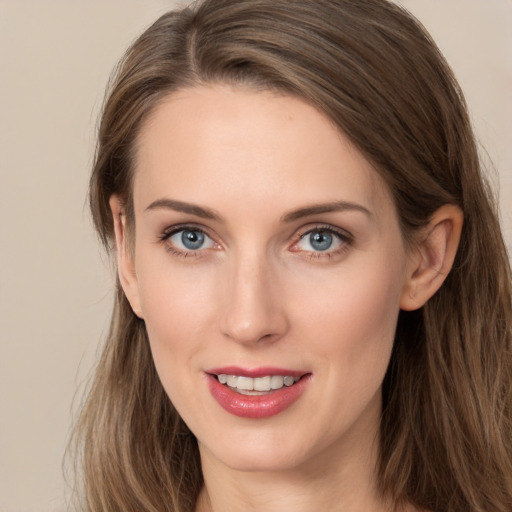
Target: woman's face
(267, 251)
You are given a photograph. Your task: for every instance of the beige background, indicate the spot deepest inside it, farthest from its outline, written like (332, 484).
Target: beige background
(55, 57)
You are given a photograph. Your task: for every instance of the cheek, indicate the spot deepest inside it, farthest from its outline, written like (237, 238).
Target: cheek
(177, 305)
(178, 312)
(352, 314)
(348, 330)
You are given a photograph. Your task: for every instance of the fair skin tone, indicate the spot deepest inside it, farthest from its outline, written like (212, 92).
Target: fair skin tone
(264, 238)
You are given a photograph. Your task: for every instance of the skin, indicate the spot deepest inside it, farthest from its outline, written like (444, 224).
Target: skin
(258, 293)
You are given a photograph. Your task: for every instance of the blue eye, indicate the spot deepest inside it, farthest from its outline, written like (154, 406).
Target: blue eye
(190, 240)
(320, 240)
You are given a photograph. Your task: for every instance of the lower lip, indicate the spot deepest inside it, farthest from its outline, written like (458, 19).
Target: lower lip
(256, 406)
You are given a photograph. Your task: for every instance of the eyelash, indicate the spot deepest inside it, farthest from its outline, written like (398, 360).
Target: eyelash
(168, 233)
(346, 241)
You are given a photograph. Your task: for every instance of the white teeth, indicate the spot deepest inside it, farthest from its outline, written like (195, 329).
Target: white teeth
(262, 384)
(245, 383)
(267, 383)
(288, 381)
(277, 382)
(231, 381)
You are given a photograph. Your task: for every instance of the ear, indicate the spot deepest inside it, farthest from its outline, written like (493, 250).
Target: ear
(432, 258)
(125, 262)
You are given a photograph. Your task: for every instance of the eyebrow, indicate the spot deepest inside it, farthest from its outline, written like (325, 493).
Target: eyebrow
(207, 213)
(336, 206)
(180, 206)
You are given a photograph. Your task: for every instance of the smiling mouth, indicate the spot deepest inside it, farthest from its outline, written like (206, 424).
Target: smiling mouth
(256, 393)
(257, 385)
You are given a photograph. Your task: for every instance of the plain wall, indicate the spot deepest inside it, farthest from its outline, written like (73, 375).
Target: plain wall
(55, 287)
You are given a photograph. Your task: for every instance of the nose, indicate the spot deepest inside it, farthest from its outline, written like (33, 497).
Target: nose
(253, 304)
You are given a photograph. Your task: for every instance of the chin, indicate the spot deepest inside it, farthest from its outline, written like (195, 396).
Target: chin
(262, 452)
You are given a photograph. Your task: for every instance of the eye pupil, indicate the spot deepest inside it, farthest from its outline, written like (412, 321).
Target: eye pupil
(321, 240)
(192, 239)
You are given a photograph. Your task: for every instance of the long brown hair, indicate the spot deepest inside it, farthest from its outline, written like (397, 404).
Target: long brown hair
(446, 429)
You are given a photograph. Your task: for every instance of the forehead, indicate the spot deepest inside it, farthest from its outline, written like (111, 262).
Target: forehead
(215, 145)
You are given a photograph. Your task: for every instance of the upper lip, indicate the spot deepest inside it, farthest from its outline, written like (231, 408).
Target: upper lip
(261, 371)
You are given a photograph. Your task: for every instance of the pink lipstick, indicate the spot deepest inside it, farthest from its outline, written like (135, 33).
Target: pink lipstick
(258, 393)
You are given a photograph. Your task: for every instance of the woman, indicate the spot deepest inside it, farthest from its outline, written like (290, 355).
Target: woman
(313, 309)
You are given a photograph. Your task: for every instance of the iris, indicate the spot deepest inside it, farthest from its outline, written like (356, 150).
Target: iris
(320, 240)
(192, 239)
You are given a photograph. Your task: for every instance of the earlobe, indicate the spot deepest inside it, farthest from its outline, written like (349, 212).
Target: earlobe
(125, 263)
(431, 260)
